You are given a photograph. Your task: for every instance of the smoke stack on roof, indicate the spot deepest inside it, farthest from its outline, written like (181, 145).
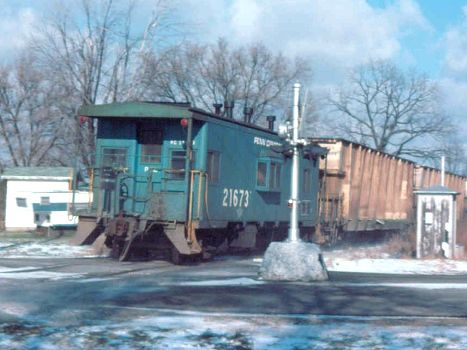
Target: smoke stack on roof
(217, 108)
(247, 113)
(271, 119)
(228, 109)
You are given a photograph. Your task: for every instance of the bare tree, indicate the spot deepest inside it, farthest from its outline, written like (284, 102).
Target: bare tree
(91, 50)
(29, 124)
(455, 152)
(390, 110)
(252, 75)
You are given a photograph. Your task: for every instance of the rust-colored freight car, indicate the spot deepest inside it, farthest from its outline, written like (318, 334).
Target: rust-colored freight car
(366, 190)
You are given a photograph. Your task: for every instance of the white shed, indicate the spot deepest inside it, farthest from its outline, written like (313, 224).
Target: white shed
(40, 197)
(436, 222)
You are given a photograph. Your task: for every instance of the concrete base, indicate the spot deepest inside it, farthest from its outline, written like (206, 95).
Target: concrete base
(293, 261)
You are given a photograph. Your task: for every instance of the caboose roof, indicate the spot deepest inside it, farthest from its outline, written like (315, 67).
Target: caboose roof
(136, 110)
(167, 110)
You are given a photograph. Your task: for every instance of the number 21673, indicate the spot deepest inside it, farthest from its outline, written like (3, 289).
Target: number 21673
(237, 198)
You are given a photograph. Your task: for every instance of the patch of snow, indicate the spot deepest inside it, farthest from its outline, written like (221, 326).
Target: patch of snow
(16, 309)
(29, 272)
(396, 266)
(4, 269)
(39, 275)
(241, 281)
(406, 285)
(47, 250)
(172, 330)
(89, 280)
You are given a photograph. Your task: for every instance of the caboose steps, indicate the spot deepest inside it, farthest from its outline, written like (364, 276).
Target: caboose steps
(89, 228)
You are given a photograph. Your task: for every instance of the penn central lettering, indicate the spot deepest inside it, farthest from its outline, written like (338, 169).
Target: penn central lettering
(265, 142)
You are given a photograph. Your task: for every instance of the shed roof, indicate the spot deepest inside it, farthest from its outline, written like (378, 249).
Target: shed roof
(38, 173)
(437, 189)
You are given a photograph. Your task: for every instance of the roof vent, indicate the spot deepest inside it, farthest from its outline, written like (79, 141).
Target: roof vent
(271, 119)
(247, 113)
(228, 109)
(217, 108)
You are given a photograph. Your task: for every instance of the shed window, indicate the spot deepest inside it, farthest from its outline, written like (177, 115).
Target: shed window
(213, 168)
(21, 202)
(114, 157)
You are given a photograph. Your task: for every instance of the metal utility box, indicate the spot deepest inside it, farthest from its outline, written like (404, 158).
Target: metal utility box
(436, 222)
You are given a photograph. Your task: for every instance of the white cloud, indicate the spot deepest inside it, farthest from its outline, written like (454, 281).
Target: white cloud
(14, 28)
(455, 44)
(453, 81)
(334, 35)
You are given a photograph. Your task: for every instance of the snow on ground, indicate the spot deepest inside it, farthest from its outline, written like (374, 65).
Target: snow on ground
(396, 266)
(241, 281)
(192, 330)
(364, 259)
(34, 273)
(43, 248)
(375, 259)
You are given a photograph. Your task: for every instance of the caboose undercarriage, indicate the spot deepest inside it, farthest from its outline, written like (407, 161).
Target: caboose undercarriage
(133, 238)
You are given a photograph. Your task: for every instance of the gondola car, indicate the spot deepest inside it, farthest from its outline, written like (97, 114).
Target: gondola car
(179, 181)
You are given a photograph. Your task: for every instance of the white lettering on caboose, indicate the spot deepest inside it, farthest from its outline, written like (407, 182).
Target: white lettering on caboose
(265, 142)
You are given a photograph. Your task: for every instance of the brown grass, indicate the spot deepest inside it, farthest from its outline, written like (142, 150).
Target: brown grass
(462, 232)
(402, 245)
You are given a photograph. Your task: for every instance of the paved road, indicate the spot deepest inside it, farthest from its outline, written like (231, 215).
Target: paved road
(76, 289)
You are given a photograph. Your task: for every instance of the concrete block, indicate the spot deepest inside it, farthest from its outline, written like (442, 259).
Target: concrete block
(293, 261)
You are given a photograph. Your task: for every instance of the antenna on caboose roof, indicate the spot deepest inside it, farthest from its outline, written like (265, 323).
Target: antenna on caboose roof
(301, 115)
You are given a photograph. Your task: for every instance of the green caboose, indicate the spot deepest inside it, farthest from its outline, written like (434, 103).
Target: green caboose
(169, 177)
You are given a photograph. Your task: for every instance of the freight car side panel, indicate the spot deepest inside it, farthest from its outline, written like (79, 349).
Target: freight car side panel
(365, 189)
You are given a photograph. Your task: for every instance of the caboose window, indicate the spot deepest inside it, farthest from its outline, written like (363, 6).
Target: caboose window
(150, 136)
(261, 174)
(151, 145)
(305, 207)
(177, 165)
(213, 169)
(114, 157)
(275, 176)
(151, 153)
(268, 175)
(306, 185)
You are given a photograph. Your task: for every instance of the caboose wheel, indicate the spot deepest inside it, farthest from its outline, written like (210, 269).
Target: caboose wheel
(116, 249)
(175, 256)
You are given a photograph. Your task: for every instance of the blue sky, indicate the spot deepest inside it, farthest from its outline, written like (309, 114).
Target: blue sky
(334, 35)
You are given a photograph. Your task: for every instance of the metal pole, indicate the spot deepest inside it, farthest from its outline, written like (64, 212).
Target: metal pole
(442, 169)
(294, 200)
